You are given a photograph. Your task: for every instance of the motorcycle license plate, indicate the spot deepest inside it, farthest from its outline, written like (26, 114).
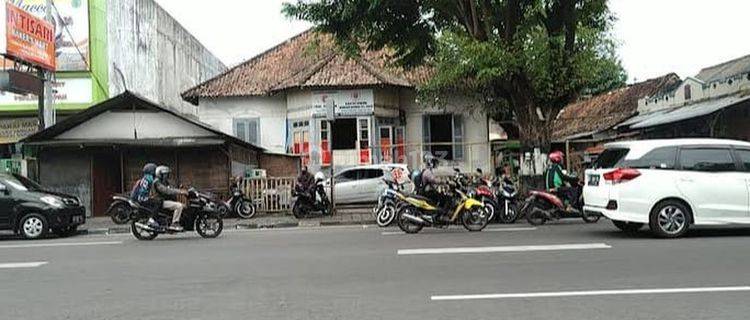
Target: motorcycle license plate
(77, 219)
(593, 180)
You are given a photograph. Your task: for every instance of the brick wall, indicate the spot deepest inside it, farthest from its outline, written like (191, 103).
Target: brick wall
(279, 165)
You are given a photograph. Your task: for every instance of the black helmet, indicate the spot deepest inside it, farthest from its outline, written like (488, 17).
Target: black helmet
(149, 168)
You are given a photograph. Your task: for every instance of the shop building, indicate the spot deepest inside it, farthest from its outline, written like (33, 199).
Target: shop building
(105, 47)
(280, 101)
(101, 151)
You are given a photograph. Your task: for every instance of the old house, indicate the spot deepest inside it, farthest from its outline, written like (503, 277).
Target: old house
(584, 125)
(279, 100)
(101, 151)
(715, 103)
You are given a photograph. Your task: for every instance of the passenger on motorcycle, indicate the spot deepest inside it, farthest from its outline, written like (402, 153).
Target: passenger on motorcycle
(556, 179)
(166, 194)
(142, 187)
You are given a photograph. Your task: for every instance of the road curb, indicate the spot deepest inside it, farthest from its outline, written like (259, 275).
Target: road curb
(280, 225)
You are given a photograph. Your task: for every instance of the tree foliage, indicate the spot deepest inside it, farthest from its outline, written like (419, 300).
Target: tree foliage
(524, 59)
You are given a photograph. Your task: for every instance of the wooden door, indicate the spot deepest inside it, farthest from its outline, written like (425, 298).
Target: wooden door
(107, 180)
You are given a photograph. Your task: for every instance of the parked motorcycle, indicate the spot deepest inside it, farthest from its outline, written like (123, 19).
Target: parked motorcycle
(388, 203)
(237, 204)
(542, 206)
(481, 190)
(418, 212)
(200, 214)
(507, 200)
(308, 202)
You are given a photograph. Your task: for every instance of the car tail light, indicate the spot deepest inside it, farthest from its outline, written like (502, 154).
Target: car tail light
(621, 175)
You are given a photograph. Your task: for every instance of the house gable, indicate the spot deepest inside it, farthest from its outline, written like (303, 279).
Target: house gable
(140, 124)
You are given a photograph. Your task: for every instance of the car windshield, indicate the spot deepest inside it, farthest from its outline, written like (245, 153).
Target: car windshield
(21, 183)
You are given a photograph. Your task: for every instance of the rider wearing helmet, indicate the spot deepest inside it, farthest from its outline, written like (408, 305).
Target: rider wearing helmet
(166, 194)
(142, 187)
(555, 178)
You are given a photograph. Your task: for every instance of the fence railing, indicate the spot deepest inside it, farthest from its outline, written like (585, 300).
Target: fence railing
(272, 194)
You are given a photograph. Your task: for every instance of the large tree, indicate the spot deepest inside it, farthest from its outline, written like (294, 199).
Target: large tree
(524, 59)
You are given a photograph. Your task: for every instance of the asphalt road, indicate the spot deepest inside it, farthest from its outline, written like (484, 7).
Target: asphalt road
(563, 271)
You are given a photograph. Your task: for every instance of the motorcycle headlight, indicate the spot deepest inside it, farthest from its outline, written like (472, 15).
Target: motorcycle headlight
(52, 201)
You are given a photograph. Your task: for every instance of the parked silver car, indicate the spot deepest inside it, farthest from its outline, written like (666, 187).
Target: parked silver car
(363, 184)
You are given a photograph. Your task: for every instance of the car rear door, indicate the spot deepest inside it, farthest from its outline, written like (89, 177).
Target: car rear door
(346, 182)
(710, 181)
(370, 185)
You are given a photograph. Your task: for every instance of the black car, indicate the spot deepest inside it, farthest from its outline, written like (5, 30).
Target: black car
(29, 210)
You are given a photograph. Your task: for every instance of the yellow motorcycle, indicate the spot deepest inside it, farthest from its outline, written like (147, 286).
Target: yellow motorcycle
(416, 212)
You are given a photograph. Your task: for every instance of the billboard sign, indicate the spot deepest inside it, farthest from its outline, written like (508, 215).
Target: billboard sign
(29, 38)
(71, 20)
(67, 91)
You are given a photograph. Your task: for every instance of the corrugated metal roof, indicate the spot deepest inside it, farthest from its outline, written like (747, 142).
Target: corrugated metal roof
(694, 110)
(725, 70)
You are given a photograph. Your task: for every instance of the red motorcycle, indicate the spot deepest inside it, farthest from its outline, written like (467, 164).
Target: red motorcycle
(542, 206)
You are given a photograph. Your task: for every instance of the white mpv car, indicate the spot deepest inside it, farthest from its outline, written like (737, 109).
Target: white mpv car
(671, 184)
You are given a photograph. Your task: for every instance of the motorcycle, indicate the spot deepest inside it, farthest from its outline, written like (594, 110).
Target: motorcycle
(306, 203)
(418, 212)
(237, 204)
(200, 214)
(388, 204)
(507, 199)
(542, 206)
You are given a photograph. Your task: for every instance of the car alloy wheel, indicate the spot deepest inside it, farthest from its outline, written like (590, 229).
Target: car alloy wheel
(672, 220)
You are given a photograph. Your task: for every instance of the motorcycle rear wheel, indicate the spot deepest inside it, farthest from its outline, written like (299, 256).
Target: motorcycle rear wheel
(208, 226)
(142, 234)
(475, 219)
(120, 213)
(491, 207)
(536, 216)
(299, 210)
(407, 225)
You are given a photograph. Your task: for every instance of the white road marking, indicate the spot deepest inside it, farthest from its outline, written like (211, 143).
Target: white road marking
(588, 293)
(581, 246)
(59, 244)
(18, 265)
(390, 233)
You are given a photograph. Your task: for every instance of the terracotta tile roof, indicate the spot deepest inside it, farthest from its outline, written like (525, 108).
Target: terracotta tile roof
(310, 59)
(606, 110)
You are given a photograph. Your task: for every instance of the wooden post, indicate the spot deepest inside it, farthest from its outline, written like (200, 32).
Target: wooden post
(567, 154)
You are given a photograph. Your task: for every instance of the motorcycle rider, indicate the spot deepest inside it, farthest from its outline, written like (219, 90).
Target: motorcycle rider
(165, 193)
(429, 183)
(305, 180)
(555, 178)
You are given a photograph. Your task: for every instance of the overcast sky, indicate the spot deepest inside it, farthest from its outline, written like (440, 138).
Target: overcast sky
(656, 36)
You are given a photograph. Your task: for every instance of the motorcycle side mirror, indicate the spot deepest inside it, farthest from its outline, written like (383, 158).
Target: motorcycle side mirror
(456, 170)
(479, 171)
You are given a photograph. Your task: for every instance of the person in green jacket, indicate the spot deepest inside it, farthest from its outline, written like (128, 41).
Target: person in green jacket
(556, 179)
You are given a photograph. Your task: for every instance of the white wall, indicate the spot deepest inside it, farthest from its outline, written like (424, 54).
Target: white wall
(219, 112)
(121, 125)
(157, 56)
(476, 132)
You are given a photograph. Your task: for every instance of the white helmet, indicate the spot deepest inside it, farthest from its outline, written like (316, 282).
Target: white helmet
(162, 172)
(320, 176)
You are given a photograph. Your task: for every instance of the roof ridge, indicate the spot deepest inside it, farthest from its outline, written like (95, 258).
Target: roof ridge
(725, 63)
(308, 71)
(370, 68)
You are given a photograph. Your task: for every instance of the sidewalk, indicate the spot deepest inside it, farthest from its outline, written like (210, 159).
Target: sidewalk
(104, 225)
